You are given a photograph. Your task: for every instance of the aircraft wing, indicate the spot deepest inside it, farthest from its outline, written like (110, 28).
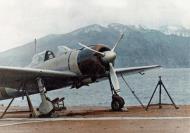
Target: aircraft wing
(13, 76)
(134, 70)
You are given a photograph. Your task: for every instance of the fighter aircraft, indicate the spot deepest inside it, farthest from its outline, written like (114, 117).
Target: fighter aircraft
(74, 68)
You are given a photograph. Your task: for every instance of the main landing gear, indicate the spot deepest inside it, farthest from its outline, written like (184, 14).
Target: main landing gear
(46, 107)
(117, 101)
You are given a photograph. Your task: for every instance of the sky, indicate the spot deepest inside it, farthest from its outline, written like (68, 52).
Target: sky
(23, 20)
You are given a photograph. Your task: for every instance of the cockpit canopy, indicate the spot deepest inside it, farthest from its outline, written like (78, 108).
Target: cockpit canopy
(42, 57)
(63, 50)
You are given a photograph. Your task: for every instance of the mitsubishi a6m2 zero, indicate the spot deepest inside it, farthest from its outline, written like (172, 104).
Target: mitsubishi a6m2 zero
(74, 68)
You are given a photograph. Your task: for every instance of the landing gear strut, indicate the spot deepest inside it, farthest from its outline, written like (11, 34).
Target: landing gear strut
(46, 107)
(117, 101)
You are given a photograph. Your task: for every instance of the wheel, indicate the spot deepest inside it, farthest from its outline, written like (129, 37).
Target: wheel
(115, 105)
(119, 99)
(122, 102)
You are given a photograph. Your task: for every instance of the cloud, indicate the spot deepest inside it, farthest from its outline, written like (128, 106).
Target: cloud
(23, 20)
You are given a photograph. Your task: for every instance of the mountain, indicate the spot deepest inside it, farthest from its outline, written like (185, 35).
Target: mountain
(140, 46)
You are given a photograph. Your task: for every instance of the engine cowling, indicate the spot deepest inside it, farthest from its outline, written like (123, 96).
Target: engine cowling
(90, 63)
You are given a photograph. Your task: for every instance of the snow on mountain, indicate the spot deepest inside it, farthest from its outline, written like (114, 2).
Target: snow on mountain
(168, 30)
(175, 30)
(90, 28)
(126, 28)
(121, 28)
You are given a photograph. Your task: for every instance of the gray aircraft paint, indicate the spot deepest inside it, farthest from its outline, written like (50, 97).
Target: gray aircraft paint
(65, 62)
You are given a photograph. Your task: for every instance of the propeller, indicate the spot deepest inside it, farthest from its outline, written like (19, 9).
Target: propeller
(121, 37)
(114, 79)
(109, 57)
(102, 54)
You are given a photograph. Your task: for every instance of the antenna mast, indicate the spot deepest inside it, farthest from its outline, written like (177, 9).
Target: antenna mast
(35, 44)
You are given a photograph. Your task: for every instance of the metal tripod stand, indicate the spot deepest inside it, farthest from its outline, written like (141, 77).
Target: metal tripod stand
(160, 85)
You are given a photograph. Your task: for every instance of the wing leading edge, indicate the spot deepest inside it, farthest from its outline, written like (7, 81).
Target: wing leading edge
(12, 76)
(134, 70)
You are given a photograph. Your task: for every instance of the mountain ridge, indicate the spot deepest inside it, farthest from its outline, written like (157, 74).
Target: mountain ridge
(140, 46)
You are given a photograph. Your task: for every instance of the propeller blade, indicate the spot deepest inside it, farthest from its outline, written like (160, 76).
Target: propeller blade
(102, 54)
(114, 79)
(121, 37)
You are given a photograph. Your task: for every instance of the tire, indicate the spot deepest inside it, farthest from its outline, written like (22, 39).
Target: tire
(121, 102)
(115, 105)
(119, 99)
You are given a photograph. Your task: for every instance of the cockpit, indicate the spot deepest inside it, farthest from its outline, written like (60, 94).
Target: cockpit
(42, 57)
(49, 55)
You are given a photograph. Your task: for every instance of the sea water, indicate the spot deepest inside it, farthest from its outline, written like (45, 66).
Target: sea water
(177, 82)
